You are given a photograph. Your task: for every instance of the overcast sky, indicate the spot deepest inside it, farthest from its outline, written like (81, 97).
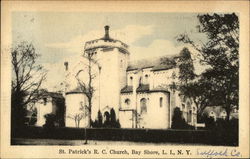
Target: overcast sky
(60, 36)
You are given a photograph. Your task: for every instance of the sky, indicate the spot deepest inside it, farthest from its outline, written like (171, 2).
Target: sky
(60, 36)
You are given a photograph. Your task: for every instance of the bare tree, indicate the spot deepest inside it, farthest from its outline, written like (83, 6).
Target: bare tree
(27, 77)
(77, 117)
(87, 88)
(137, 118)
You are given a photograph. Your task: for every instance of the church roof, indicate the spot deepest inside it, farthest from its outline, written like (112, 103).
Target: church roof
(112, 43)
(76, 90)
(143, 88)
(159, 90)
(46, 94)
(127, 89)
(55, 95)
(156, 63)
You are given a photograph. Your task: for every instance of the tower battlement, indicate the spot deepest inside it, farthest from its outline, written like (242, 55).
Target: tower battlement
(105, 42)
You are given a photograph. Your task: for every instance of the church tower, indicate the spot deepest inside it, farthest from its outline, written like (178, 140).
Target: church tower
(112, 57)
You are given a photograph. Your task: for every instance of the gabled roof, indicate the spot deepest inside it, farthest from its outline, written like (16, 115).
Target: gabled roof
(216, 109)
(52, 94)
(162, 67)
(156, 63)
(127, 89)
(159, 90)
(143, 88)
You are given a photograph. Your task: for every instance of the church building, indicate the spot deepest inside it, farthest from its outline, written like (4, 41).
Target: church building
(142, 93)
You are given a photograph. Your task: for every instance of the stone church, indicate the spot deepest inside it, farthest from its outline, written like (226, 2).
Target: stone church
(141, 92)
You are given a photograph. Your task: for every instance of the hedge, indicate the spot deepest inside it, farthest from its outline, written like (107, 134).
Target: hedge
(116, 134)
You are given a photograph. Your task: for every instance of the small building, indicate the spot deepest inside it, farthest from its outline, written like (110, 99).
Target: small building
(51, 103)
(31, 117)
(218, 112)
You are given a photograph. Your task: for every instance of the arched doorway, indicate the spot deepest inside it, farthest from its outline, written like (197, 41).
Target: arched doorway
(189, 113)
(142, 114)
(106, 118)
(143, 106)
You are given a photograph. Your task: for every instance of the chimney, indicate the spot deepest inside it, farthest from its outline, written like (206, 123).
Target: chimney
(66, 64)
(106, 36)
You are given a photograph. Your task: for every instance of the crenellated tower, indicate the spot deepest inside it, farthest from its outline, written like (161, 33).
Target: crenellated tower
(112, 58)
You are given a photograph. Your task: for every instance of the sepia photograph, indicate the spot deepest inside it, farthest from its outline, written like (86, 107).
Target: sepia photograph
(138, 78)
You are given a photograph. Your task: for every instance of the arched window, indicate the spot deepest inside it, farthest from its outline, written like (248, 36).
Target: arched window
(161, 101)
(143, 105)
(131, 81)
(189, 117)
(189, 105)
(194, 109)
(127, 102)
(212, 114)
(223, 115)
(146, 79)
(183, 106)
(121, 64)
(140, 81)
(44, 101)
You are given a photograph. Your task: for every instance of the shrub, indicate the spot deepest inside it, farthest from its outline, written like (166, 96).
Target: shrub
(33, 119)
(50, 121)
(98, 122)
(223, 131)
(209, 123)
(178, 122)
(109, 122)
